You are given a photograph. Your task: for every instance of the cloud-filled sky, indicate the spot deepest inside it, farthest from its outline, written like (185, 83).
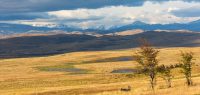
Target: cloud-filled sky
(98, 13)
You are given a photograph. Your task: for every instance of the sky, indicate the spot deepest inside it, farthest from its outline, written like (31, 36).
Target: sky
(98, 13)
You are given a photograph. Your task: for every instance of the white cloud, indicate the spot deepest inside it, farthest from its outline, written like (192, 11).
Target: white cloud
(150, 12)
(170, 9)
(71, 14)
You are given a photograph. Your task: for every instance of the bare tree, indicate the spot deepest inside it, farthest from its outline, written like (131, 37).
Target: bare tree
(166, 73)
(147, 58)
(186, 62)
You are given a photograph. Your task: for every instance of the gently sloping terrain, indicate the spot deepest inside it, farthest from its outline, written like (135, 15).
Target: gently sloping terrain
(27, 46)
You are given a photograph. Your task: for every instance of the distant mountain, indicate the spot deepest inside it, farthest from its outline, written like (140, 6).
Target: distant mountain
(45, 44)
(20, 28)
(192, 26)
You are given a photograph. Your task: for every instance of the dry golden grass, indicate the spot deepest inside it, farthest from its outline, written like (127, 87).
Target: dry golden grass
(47, 75)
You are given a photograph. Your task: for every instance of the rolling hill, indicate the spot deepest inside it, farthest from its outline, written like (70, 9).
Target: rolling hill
(39, 45)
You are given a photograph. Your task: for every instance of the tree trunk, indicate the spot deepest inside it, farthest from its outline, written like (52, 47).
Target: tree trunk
(169, 82)
(152, 80)
(189, 80)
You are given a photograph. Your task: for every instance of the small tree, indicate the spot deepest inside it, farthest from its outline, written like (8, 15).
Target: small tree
(186, 62)
(147, 58)
(166, 74)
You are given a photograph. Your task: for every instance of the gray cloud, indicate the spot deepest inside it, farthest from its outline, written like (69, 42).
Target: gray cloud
(10, 6)
(37, 11)
(188, 12)
(23, 16)
(33, 9)
(16, 6)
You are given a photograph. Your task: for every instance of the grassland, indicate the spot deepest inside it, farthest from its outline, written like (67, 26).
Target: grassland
(90, 73)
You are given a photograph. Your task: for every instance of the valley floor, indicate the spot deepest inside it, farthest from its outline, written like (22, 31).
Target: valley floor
(92, 73)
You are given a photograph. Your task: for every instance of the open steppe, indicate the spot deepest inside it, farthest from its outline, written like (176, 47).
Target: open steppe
(92, 73)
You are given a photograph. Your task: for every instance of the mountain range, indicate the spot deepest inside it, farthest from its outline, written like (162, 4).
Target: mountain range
(18, 40)
(6, 28)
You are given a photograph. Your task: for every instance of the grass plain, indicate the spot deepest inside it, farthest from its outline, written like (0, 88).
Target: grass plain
(91, 73)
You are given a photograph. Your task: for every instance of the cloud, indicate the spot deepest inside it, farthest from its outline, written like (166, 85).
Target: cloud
(8, 6)
(16, 6)
(97, 13)
(23, 16)
(193, 11)
(157, 13)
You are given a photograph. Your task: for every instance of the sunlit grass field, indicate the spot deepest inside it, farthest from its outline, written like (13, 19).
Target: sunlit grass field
(92, 73)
